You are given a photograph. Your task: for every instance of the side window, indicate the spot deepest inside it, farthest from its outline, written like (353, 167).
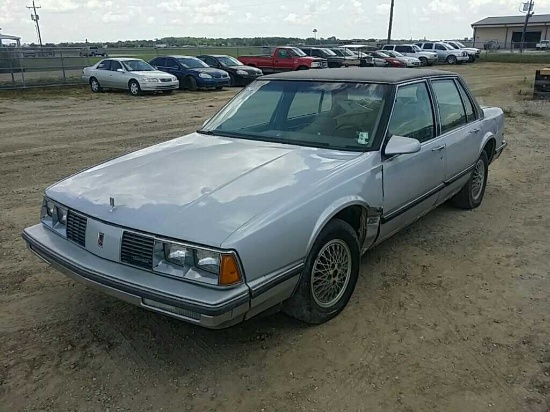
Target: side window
(387, 48)
(104, 65)
(161, 62)
(211, 61)
(172, 64)
(412, 114)
(401, 49)
(283, 54)
(428, 46)
(115, 66)
(439, 47)
(316, 53)
(309, 103)
(451, 109)
(468, 105)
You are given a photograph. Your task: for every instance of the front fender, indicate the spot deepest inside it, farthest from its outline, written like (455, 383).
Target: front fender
(370, 220)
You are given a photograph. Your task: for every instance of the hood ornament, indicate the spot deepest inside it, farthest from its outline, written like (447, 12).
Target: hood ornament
(112, 203)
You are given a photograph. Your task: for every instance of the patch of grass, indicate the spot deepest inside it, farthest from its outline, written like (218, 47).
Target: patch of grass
(44, 92)
(517, 57)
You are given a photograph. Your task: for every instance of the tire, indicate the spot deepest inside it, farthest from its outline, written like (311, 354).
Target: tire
(317, 307)
(95, 87)
(452, 59)
(133, 88)
(302, 68)
(232, 80)
(471, 59)
(423, 61)
(471, 195)
(191, 83)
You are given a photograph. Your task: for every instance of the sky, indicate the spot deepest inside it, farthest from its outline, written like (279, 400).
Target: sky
(111, 20)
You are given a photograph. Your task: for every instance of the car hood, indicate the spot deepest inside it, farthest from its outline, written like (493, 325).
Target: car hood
(151, 73)
(248, 69)
(197, 188)
(209, 70)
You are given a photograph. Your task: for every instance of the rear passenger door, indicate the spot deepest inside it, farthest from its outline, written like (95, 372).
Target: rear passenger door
(460, 127)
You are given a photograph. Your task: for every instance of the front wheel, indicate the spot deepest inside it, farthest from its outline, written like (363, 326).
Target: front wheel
(423, 61)
(329, 277)
(134, 88)
(95, 87)
(452, 59)
(471, 195)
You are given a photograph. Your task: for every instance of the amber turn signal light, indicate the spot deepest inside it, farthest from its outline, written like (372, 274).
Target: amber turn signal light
(229, 273)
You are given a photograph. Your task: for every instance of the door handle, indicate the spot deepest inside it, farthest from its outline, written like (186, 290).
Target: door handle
(473, 131)
(438, 149)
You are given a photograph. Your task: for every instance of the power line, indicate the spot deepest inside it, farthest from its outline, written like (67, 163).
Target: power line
(35, 17)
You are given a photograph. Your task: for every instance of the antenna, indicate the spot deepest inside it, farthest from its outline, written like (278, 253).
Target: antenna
(35, 17)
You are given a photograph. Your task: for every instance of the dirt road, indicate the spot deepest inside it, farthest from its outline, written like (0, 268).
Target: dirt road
(451, 315)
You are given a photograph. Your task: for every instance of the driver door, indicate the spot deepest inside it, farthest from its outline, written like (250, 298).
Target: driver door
(118, 79)
(412, 182)
(284, 60)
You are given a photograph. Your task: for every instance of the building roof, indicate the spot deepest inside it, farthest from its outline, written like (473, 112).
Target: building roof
(8, 37)
(506, 20)
(372, 74)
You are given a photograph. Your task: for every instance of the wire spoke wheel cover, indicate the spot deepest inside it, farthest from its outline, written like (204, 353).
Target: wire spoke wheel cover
(478, 179)
(331, 272)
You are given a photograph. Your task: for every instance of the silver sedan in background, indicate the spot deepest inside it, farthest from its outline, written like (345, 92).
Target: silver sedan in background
(134, 75)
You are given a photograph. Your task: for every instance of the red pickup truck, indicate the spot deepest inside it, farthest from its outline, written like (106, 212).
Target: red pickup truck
(284, 59)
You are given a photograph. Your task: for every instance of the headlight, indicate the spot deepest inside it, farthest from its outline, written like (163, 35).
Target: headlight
(197, 264)
(205, 75)
(315, 64)
(54, 215)
(150, 79)
(174, 79)
(241, 72)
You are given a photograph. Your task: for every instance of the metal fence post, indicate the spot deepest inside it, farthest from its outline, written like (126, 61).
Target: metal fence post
(11, 68)
(22, 71)
(63, 66)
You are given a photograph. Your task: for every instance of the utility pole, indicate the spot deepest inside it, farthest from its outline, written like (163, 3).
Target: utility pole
(391, 22)
(35, 17)
(527, 16)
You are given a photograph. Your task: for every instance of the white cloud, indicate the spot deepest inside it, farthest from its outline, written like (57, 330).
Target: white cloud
(383, 9)
(59, 6)
(443, 6)
(296, 20)
(111, 17)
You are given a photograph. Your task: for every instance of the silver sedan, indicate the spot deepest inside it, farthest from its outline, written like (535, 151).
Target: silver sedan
(134, 75)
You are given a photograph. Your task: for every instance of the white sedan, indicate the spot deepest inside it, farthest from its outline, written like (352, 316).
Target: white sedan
(409, 61)
(134, 75)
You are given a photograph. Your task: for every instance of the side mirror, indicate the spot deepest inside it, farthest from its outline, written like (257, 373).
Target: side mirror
(398, 145)
(120, 70)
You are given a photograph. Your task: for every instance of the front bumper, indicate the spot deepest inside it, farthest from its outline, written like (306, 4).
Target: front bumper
(241, 80)
(499, 150)
(158, 86)
(463, 58)
(213, 308)
(213, 82)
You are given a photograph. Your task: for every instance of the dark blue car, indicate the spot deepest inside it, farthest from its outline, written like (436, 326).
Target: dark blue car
(192, 73)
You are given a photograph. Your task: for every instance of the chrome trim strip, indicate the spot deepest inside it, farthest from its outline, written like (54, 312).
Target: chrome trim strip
(263, 286)
(413, 203)
(503, 146)
(459, 175)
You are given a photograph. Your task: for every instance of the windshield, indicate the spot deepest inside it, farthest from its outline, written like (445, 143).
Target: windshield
(137, 66)
(191, 62)
(338, 52)
(329, 52)
(459, 44)
(297, 52)
(383, 55)
(395, 54)
(453, 46)
(229, 61)
(416, 48)
(341, 116)
(449, 47)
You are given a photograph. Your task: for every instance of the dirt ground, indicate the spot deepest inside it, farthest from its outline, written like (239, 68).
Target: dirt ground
(452, 314)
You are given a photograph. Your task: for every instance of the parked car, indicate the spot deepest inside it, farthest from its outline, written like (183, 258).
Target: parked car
(445, 53)
(362, 51)
(391, 61)
(407, 61)
(491, 45)
(192, 73)
(272, 202)
(543, 45)
(134, 75)
(333, 60)
(352, 59)
(427, 58)
(239, 74)
(284, 59)
(374, 61)
(473, 53)
(92, 51)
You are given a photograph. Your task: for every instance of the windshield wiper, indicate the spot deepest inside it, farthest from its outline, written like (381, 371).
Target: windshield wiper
(206, 132)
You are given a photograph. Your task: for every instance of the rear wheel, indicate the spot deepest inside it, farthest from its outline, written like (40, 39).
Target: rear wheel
(452, 59)
(133, 87)
(95, 86)
(471, 195)
(423, 61)
(329, 277)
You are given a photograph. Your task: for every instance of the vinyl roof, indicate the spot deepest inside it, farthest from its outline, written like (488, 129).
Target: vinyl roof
(362, 74)
(503, 20)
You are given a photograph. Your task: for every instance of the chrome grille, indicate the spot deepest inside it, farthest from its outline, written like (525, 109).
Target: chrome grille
(164, 80)
(137, 250)
(76, 228)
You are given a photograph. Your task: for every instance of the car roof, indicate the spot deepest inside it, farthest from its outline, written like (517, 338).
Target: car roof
(370, 74)
(178, 56)
(122, 59)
